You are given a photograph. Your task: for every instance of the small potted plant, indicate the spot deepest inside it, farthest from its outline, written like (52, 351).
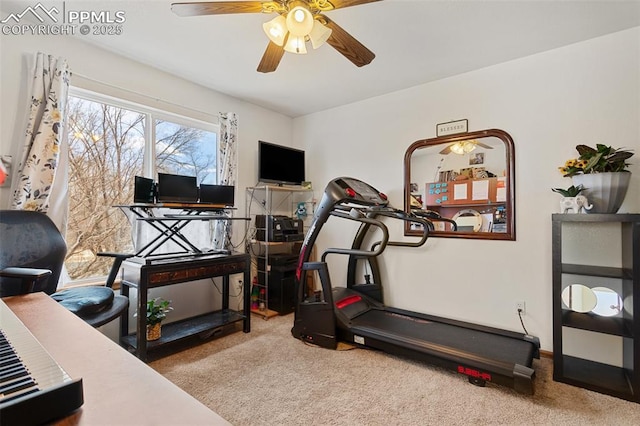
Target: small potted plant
(603, 171)
(572, 200)
(572, 191)
(157, 310)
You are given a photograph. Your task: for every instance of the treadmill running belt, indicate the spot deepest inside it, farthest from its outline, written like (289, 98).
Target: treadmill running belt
(493, 346)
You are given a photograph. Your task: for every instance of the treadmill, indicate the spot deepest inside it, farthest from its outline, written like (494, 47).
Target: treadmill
(355, 313)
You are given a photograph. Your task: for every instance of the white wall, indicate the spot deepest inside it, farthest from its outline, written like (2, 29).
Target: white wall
(550, 102)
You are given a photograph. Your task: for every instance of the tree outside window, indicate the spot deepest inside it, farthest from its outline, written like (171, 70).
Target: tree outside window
(107, 145)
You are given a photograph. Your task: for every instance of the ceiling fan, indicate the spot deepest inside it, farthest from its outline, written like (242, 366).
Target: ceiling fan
(298, 22)
(464, 147)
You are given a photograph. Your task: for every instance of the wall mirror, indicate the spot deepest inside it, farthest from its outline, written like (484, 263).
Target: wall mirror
(466, 179)
(601, 301)
(579, 298)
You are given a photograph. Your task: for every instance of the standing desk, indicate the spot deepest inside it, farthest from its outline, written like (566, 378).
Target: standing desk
(170, 225)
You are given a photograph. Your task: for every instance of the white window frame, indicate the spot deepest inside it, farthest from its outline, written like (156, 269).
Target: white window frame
(151, 114)
(149, 155)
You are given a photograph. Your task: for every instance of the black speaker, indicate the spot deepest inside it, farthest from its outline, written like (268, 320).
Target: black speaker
(281, 289)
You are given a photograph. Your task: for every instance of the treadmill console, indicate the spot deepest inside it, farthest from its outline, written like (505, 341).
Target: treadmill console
(358, 192)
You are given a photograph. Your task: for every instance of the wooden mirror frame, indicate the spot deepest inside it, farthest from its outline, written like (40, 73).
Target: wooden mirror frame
(510, 204)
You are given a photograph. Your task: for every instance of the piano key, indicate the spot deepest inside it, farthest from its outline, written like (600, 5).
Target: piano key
(12, 372)
(34, 389)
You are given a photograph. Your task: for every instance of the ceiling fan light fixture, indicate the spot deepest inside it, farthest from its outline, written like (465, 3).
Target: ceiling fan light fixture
(469, 146)
(296, 44)
(463, 147)
(276, 29)
(319, 34)
(300, 20)
(457, 148)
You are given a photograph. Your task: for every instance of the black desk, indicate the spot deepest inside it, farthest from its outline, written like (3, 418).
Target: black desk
(144, 274)
(170, 226)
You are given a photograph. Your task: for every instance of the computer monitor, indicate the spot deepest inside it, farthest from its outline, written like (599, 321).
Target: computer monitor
(217, 194)
(144, 190)
(177, 188)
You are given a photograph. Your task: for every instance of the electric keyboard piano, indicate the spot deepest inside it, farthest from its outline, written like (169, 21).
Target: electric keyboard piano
(34, 389)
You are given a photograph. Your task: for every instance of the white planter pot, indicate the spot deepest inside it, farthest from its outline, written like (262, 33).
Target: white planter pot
(606, 191)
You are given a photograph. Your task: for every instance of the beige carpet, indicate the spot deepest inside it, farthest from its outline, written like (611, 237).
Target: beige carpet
(267, 377)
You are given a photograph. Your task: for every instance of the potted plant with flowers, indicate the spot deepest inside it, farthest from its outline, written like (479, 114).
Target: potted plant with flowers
(603, 174)
(157, 310)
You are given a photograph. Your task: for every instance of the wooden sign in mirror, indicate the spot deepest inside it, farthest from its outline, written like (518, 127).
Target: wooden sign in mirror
(465, 179)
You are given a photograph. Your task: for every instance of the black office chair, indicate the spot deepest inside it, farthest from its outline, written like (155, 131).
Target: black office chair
(32, 253)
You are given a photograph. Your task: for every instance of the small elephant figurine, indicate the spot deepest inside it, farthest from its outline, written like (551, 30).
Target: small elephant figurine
(577, 204)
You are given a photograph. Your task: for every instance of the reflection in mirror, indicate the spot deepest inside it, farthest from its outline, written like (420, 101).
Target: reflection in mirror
(579, 298)
(628, 304)
(465, 179)
(609, 303)
(468, 220)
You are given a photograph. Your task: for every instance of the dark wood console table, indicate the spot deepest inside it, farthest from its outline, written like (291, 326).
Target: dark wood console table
(144, 274)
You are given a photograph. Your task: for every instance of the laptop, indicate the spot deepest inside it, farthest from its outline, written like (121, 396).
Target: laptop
(217, 194)
(177, 188)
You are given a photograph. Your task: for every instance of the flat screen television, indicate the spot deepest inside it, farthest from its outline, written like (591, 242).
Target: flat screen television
(217, 194)
(177, 188)
(280, 164)
(144, 190)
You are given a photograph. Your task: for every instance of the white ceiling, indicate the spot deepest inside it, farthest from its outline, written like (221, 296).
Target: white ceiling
(415, 41)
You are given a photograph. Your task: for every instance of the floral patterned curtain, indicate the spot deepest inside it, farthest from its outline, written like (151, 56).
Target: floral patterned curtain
(44, 134)
(227, 169)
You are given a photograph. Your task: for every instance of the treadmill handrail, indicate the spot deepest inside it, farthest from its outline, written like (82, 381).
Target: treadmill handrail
(400, 214)
(365, 253)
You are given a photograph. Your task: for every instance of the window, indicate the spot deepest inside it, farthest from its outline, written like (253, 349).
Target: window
(110, 142)
(185, 151)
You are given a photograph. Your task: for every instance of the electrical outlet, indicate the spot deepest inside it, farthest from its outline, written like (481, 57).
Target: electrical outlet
(520, 307)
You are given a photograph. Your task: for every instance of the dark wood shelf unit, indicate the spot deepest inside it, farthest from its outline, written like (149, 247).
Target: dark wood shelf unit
(622, 382)
(596, 271)
(594, 322)
(598, 377)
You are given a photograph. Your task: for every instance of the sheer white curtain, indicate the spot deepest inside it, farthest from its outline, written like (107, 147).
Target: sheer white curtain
(227, 169)
(41, 181)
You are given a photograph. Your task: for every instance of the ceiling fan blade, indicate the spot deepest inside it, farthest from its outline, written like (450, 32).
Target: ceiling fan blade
(216, 8)
(271, 58)
(481, 145)
(339, 4)
(447, 150)
(347, 45)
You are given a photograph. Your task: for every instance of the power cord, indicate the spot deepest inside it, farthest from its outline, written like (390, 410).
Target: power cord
(230, 293)
(521, 321)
